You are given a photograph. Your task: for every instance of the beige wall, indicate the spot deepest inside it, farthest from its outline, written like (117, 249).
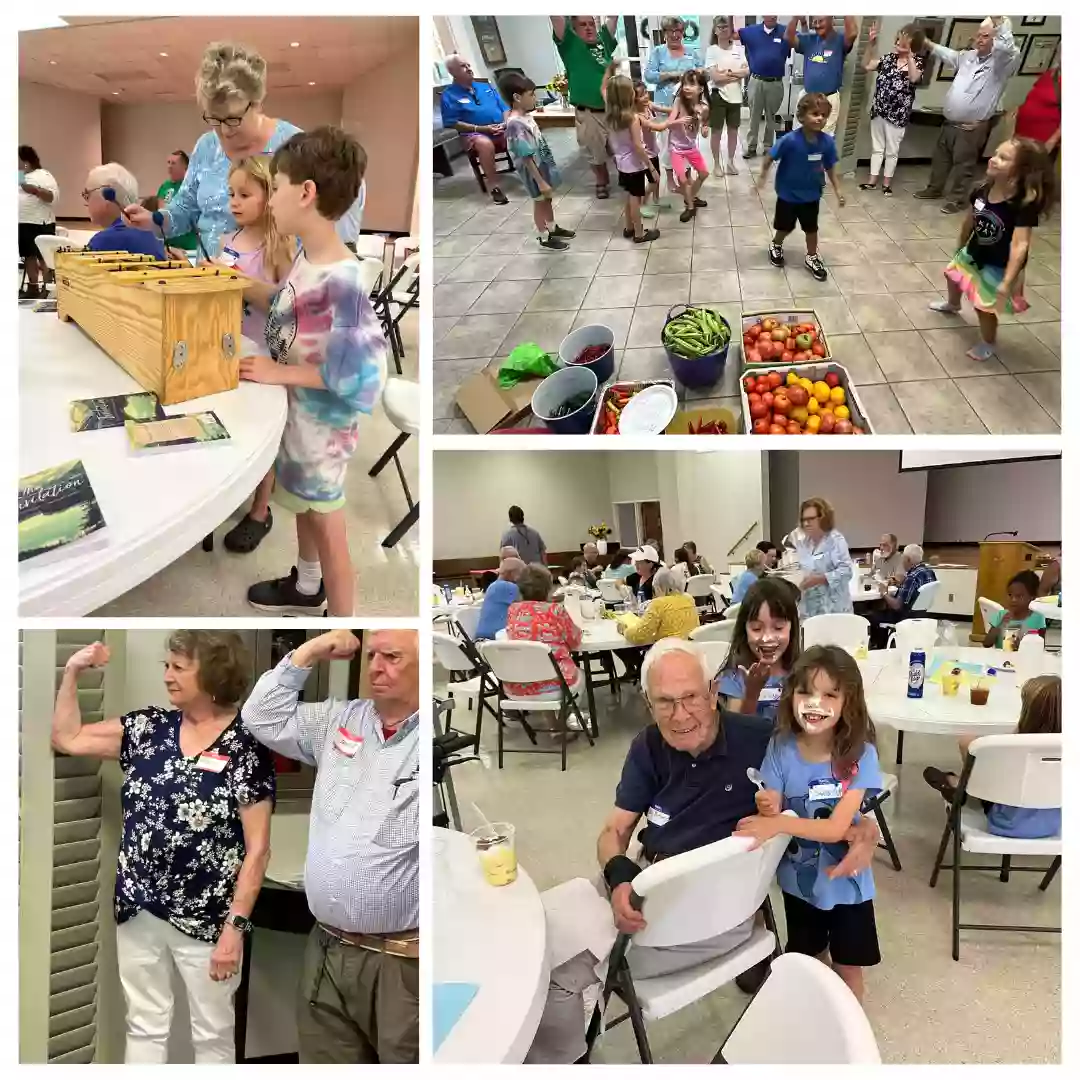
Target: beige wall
(65, 129)
(381, 109)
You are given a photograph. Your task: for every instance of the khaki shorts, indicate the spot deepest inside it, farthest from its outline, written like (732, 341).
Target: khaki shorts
(592, 134)
(834, 115)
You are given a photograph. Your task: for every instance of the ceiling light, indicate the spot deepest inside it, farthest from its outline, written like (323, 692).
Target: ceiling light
(311, 84)
(116, 93)
(294, 44)
(53, 63)
(163, 54)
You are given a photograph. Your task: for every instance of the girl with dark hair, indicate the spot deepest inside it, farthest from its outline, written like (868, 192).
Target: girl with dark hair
(822, 763)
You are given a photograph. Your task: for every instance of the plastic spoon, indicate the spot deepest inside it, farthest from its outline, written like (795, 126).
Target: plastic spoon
(487, 824)
(756, 778)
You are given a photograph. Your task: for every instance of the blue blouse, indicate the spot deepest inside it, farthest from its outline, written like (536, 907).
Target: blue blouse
(182, 842)
(830, 556)
(660, 59)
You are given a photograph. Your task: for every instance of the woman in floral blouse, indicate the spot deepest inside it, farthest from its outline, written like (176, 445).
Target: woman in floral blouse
(197, 797)
(824, 560)
(894, 96)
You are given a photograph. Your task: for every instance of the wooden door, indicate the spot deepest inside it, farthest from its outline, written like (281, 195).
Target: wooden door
(651, 526)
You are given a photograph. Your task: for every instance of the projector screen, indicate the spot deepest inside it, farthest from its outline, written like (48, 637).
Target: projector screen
(911, 460)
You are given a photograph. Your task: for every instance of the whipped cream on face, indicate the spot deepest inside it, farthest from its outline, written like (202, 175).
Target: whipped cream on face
(814, 715)
(768, 645)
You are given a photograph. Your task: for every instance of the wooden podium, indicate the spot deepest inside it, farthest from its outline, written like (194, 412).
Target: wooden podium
(999, 561)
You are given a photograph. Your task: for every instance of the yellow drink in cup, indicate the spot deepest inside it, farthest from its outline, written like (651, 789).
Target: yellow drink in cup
(498, 857)
(950, 683)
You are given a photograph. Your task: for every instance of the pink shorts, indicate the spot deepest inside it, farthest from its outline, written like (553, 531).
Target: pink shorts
(499, 141)
(682, 159)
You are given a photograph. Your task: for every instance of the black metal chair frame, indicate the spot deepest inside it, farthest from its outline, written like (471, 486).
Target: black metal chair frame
(447, 745)
(568, 705)
(489, 685)
(874, 803)
(952, 829)
(474, 162)
(390, 322)
(412, 515)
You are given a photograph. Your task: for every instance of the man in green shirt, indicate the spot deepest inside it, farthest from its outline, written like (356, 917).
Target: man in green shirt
(586, 54)
(176, 164)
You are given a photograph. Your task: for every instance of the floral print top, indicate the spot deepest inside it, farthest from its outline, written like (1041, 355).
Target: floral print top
(536, 620)
(894, 92)
(829, 556)
(182, 842)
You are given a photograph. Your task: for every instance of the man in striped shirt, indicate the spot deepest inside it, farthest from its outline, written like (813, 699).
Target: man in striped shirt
(359, 993)
(899, 607)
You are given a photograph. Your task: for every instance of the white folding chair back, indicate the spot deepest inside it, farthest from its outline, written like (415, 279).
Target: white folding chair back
(988, 609)
(611, 589)
(401, 403)
(700, 585)
(468, 618)
(449, 654)
(1017, 770)
(720, 597)
(847, 631)
(371, 271)
(833, 1030)
(701, 893)
(714, 631)
(925, 597)
(521, 662)
(402, 290)
(732, 612)
(716, 652)
(47, 247)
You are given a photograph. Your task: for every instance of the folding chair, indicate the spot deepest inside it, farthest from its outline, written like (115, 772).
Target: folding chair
(531, 662)
(714, 631)
(872, 806)
(689, 898)
(401, 403)
(393, 302)
(1013, 770)
(469, 677)
(446, 753)
(474, 161)
(700, 588)
(833, 1030)
(835, 629)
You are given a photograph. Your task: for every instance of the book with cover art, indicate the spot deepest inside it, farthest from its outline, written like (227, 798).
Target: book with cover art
(46, 305)
(194, 429)
(56, 507)
(93, 414)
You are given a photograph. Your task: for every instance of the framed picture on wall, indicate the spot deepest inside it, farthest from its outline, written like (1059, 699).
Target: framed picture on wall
(489, 39)
(934, 29)
(1041, 51)
(1033, 20)
(960, 36)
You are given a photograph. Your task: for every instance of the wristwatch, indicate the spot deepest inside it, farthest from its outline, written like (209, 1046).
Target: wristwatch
(240, 922)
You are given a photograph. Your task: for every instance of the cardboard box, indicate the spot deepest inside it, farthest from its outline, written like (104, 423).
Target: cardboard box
(487, 406)
(791, 315)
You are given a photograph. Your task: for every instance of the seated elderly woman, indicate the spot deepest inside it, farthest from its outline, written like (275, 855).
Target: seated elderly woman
(671, 613)
(755, 570)
(699, 561)
(535, 617)
(684, 566)
(619, 566)
(116, 234)
(580, 574)
(498, 597)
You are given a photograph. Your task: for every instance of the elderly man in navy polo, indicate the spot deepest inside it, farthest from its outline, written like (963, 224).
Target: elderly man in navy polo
(359, 991)
(687, 775)
(824, 51)
(477, 111)
(766, 54)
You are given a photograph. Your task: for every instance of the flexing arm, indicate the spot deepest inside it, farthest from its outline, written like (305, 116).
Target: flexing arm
(69, 734)
(830, 830)
(946, 55)
(851, 31)
(1005, 51)
(791, 34)
(558, 26)
(612, 24)
(871, 58)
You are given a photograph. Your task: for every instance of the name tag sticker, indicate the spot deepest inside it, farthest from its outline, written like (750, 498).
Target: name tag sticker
(770, 693)
(345, 742)
(657, 817)
(827, 53)
(823, 790)
(980, 204)
(814, 157)
(229, 257)
(778, 41)
(212, 762)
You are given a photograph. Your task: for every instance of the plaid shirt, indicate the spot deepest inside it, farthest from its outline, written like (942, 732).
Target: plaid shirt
(916, 578)
(363, 858)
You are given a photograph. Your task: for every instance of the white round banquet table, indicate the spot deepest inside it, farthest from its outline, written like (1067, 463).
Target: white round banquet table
(884, 674)
(156, 506)
(1047, 611)
(496, 938)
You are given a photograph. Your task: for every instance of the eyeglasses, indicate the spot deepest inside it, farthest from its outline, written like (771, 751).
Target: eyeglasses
(692, 703)
(226, 121)
(808, 520)
(90, 191)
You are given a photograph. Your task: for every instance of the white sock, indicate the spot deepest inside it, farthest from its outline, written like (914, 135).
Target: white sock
(308, 577)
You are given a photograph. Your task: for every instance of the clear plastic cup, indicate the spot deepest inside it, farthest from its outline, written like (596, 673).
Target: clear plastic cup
(950, 684)
(495, 849)
(979, 693)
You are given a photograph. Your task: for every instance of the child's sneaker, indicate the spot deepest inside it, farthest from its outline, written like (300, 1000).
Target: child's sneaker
(816, 267)
(284, 598)
(776, 255)
(982, 352)
(647, 237)
(558, 230)
(650, 210)
(552, 242)
(943, 307)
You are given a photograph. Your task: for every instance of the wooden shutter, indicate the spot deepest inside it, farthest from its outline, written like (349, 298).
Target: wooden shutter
(854, 100)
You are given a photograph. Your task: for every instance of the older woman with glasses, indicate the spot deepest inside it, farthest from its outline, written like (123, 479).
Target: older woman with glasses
(665, 69)
(230, 88)
(824, 559)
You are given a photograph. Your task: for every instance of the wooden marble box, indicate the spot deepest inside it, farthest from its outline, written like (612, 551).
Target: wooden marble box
(174, 328)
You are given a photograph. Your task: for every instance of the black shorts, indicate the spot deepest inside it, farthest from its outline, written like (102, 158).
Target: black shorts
(848, 931)
(788, 214)
(634, 183)
(28, 234)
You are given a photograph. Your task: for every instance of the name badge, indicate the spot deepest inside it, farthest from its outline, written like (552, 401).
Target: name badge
(813, 157)
(770, 693)
(212, 762)
(980, 204)
(345, 742)
(778, 41)
(229, 257)
(827, 53)
(818, 554)
(657, 817)
(464, 101)
(824, 790)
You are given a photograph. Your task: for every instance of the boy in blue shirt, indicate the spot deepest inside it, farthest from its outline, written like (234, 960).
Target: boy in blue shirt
(806, 156)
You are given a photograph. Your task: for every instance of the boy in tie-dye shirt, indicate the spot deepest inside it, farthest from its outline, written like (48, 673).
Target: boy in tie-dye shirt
(328, 349)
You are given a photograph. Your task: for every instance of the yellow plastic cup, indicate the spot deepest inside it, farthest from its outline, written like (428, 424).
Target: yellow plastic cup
(950, 684)
(498, 857)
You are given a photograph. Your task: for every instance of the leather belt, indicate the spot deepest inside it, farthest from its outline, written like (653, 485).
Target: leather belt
(588, 108)
(404, 943)
(767, 78)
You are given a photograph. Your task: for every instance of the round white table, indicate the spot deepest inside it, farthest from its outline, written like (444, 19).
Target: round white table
(1047, 610)
(495, 938)
(884, 675)
(156, 506)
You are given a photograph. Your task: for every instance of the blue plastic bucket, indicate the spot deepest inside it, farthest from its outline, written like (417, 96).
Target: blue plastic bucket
(595, 334)
(705, 370)
(560, 387)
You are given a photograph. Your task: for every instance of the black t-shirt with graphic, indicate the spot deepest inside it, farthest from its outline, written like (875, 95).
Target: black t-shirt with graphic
(995, 223)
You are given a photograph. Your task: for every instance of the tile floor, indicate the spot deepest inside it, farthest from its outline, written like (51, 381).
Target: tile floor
(200, 584)
(495, 288)
(1001, 1003)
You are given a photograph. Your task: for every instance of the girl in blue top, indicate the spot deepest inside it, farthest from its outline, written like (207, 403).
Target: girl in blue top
(822, 763)
(764, 646)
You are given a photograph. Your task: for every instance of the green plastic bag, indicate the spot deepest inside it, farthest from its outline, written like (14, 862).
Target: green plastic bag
(527, 361)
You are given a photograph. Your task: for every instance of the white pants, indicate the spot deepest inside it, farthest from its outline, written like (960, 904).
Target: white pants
(148, 948)
(886, 138)
(834, 112)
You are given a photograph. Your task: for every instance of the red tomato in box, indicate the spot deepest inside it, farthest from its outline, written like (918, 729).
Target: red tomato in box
(798, 395)
(775, 379)
(761, 427)
(817, 349)
(767, 399)
(781, 404)
(753, 398)
(793, 428)
(786, 356)
(828, 422)
(778, 429)
(753, 331)
(753, 356)
(759, 410)
(832, 379)
(766, 347)
(749, 383)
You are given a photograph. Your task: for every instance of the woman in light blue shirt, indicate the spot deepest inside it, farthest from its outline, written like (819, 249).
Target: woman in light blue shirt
(664, 70)
(824, 559)
(755, 567)
(230, 88)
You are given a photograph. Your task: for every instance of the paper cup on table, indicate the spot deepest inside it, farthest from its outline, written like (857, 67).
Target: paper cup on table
(495, 849)
(979, 693)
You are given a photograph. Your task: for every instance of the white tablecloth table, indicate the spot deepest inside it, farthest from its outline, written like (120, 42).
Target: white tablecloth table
(1047, 610)
(156, 506)
(496, 938)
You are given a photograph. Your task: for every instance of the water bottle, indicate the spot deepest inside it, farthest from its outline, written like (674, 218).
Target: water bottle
(916, 673)
(947, 638)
